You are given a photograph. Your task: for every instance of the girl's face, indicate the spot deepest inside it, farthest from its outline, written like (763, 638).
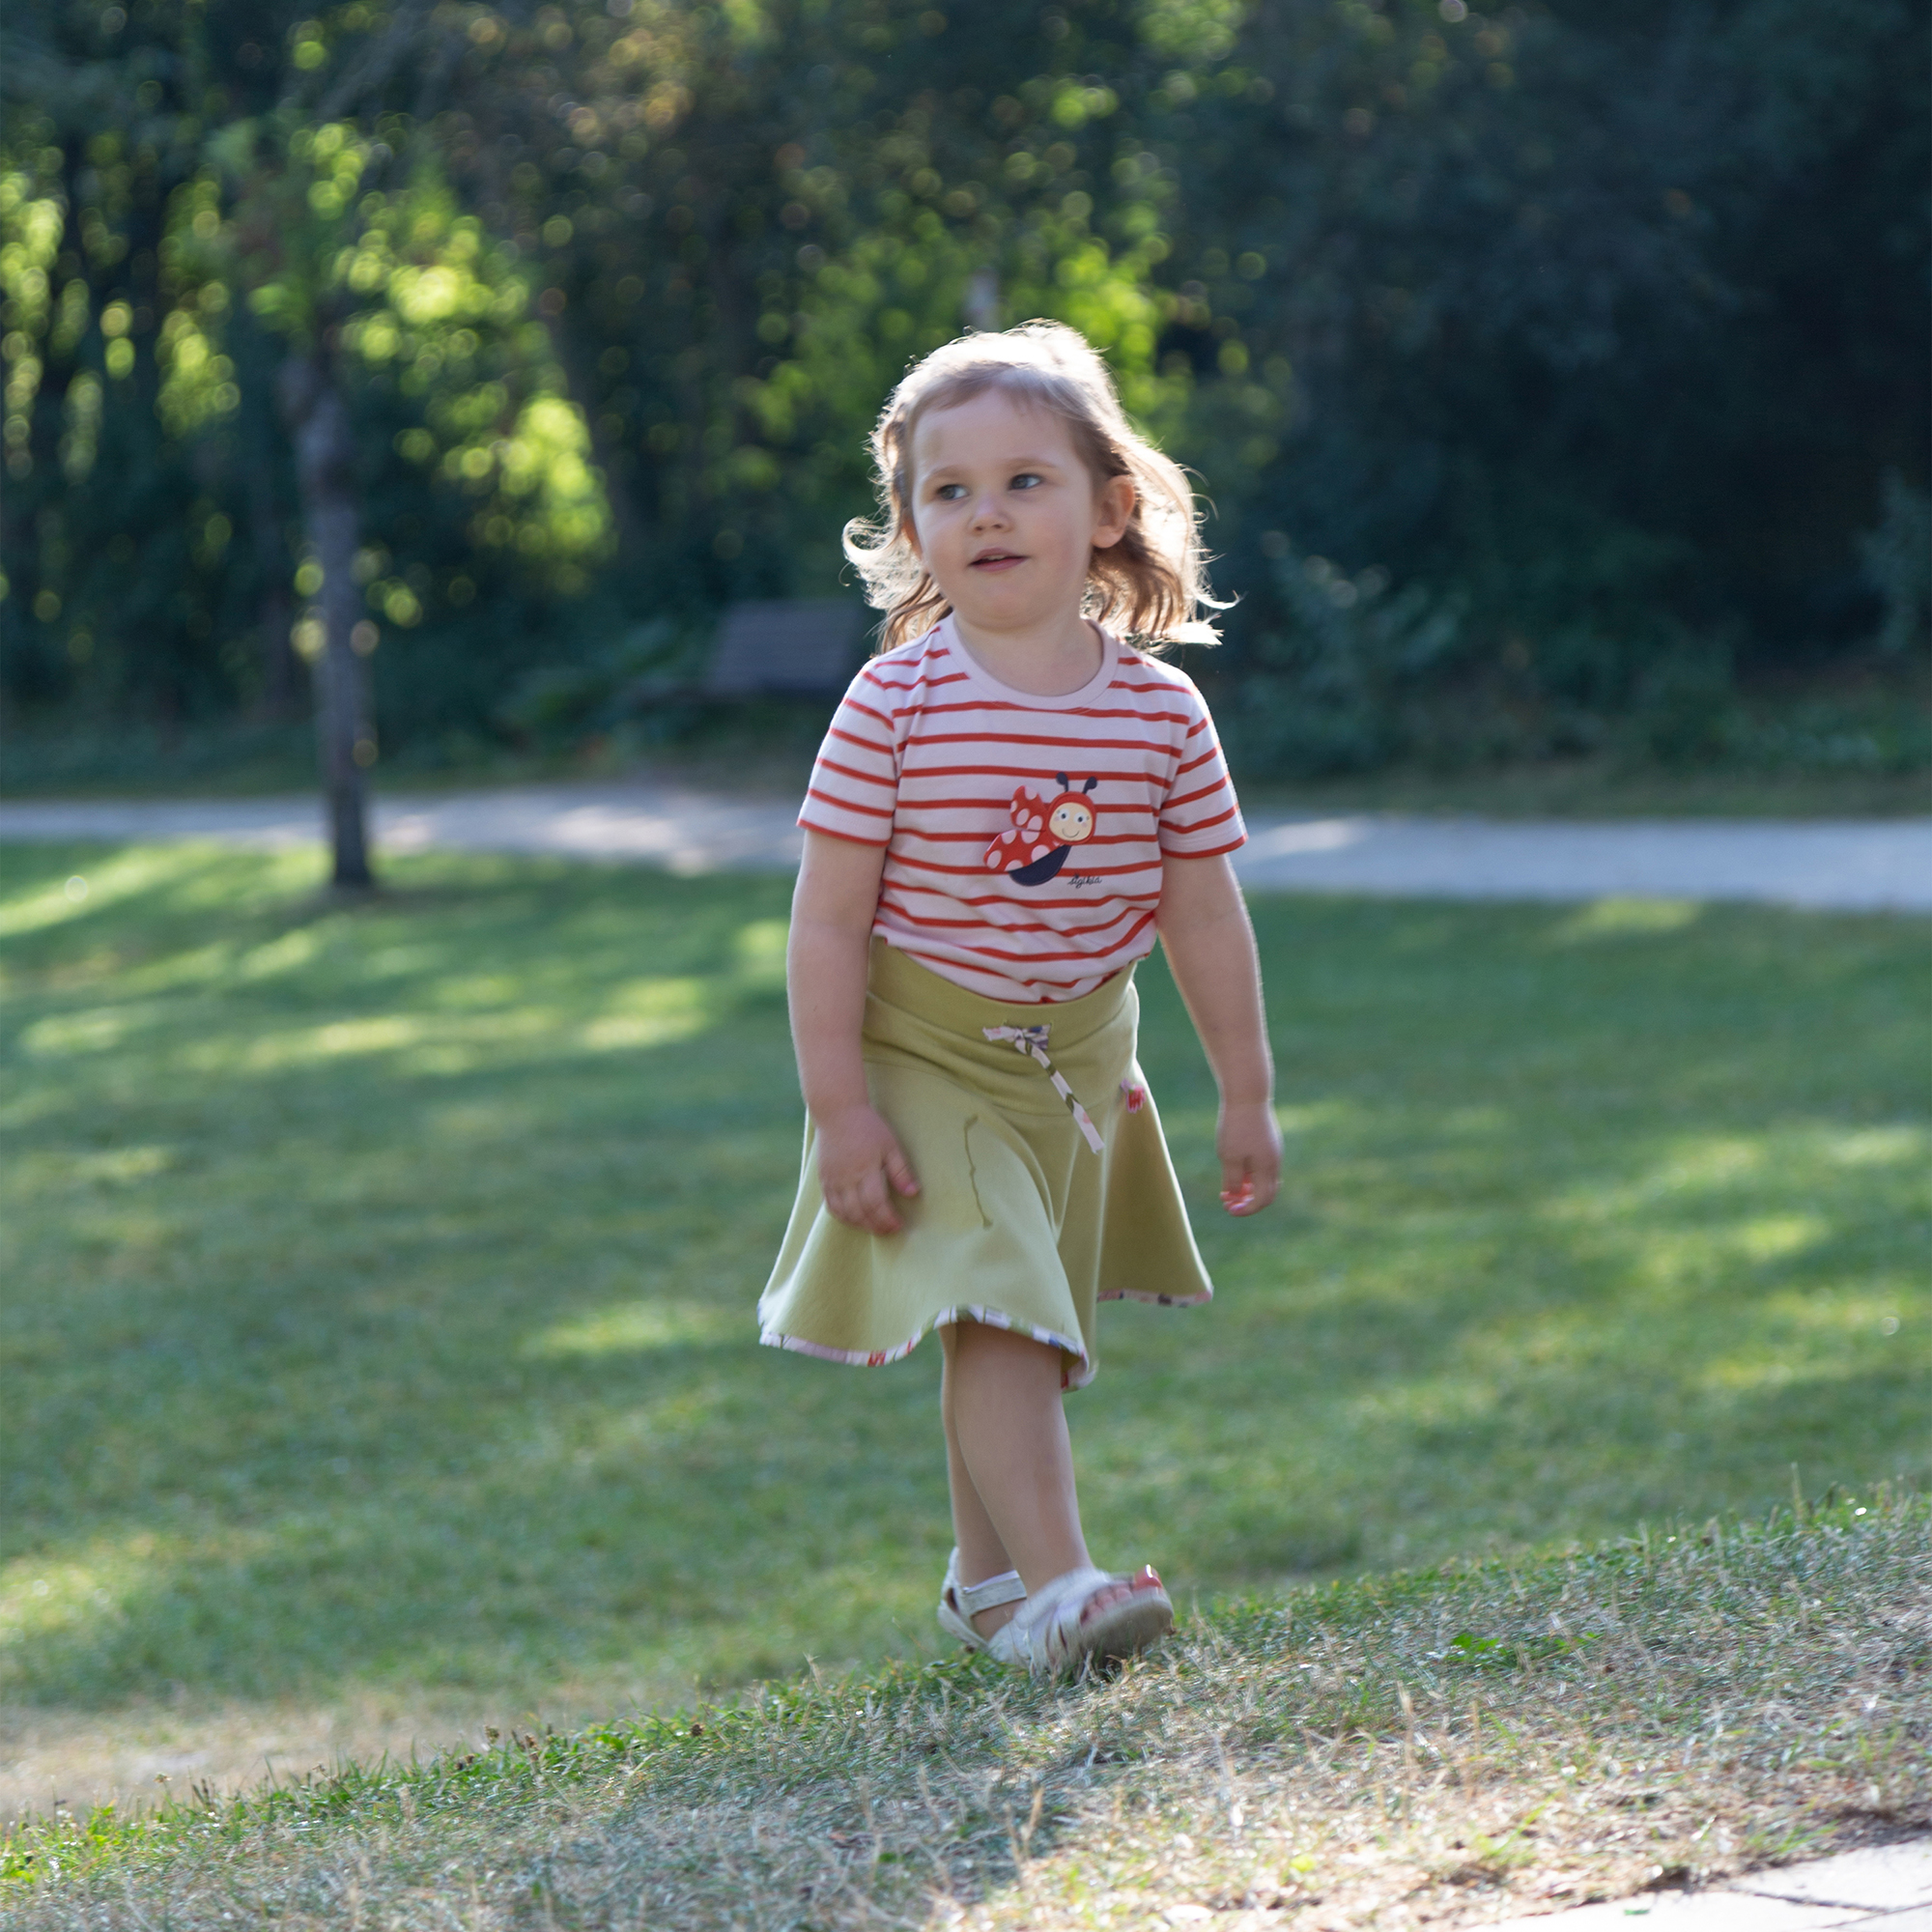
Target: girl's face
(1006, 515)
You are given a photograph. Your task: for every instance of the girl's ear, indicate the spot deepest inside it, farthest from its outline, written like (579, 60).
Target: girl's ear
(1112, 505)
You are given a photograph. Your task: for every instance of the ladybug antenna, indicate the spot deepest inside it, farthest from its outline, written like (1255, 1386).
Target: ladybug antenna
(1090, 784)
(1063, 780)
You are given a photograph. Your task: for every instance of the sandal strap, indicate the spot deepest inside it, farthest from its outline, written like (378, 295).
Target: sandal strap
(1046, 1633)
(1085, 1581)
(1005, 1589)
(1037, 1634)
(958, 1605)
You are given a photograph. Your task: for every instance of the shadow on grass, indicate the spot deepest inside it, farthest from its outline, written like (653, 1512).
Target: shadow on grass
(381, 1279)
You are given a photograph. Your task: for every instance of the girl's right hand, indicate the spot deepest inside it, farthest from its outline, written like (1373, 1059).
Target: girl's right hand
(861, 1166)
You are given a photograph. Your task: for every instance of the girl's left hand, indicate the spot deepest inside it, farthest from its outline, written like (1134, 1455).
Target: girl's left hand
(1248, 1140)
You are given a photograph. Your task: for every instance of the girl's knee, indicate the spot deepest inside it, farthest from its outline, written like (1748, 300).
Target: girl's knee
(985, 1341)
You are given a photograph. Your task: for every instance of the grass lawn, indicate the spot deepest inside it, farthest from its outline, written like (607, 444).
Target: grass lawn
(378, 1284)
(1441, 1748)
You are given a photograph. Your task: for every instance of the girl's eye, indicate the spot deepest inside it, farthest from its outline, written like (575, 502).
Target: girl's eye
(949, 493)
(1027, 479)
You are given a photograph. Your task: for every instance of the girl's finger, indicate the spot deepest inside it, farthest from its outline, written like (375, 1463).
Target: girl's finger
(878, 1204)
(1244, 1191)
(898, 1171)
(1239, 1200)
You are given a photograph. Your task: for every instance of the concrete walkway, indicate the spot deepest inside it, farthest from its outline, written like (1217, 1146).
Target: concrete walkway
(1886, 1887)
(1865, 865)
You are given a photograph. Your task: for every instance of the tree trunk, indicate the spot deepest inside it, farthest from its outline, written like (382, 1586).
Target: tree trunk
(324, 448)
(278, 700)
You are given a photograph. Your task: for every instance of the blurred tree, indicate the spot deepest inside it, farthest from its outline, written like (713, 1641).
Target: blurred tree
(1559, 341)
(1601, 328)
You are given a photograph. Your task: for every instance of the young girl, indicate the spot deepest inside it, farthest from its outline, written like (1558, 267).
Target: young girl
(1015, 798)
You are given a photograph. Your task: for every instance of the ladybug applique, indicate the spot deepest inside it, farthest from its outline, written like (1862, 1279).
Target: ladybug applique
(1044, 832)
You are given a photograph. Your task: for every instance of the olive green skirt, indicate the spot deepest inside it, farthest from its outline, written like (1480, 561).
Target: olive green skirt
(1019, 1221)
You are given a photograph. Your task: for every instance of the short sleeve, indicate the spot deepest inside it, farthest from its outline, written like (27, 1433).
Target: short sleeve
(855, 780)
(1201, 817)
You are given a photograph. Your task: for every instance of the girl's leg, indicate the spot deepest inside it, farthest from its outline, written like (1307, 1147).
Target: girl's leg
(981, 1554)
(972, 1379)
(1010, 1461)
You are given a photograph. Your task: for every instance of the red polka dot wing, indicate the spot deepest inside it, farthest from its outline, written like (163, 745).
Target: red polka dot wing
(1027, 838)
(1043, 832)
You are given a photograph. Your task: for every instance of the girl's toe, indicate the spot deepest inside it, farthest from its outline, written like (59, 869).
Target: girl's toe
(1144, 1580)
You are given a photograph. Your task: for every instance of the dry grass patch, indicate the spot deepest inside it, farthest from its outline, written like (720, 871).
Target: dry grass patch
(1445, 1748)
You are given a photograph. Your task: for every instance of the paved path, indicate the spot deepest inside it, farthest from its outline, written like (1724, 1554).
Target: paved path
(1884, 1888)
(1852, 866)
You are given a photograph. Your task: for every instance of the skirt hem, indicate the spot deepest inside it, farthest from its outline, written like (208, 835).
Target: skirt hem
(879, 1358)
(1200, 1300)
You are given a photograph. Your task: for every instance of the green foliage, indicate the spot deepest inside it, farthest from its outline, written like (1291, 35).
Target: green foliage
(633, 686)
(1899, 560)
(1601, 328)
(434, 315)
(1334, 690)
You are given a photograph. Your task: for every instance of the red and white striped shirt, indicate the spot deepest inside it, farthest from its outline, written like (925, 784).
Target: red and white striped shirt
(1024, 835)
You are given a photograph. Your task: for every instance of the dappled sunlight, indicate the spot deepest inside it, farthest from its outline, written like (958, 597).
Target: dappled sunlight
(200, 968)
(450, 1385)
(1818, 1333)
(632, 1327)
(54, 1593)
(1695, 1168)
(1712, 1252)
(286, 954)
(1625, 919)
(476, 989)
(1314, 1116)
(1739, 1374)
(653, 1012)
(1821, 1314)
(270, 1052)
(109, 877)
(1453, 1400)
(758, 953)
(120, 1166)
(402, 962)
(93, 1029)
(1774, 1237)
(1880, 1147)
(650, 1013)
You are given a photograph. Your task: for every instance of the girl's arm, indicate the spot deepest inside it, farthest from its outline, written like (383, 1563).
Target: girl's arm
(1210, 950)
(860, 1160)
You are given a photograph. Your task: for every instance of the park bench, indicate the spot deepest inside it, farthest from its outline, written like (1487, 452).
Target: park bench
(799, 647)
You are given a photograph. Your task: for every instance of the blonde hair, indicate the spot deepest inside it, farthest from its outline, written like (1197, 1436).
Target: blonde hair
(1149, 586)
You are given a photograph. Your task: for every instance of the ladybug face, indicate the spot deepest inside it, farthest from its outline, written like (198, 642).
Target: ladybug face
(1071, 819)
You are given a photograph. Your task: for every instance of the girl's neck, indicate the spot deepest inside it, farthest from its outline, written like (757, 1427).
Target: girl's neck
(1043, 661)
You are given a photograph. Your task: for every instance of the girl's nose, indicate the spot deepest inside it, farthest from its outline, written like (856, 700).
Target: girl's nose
(989, 510)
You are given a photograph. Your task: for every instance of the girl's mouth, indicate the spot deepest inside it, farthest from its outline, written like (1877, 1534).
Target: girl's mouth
(997, 559)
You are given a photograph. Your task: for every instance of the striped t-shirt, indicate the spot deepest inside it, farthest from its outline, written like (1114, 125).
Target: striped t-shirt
(1024, 835)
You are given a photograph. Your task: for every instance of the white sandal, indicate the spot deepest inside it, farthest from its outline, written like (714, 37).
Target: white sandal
(960, 1603)
(1048, 1636)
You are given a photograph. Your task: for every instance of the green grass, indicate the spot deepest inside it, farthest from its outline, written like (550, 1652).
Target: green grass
(378, 1281)
(1448, 1747)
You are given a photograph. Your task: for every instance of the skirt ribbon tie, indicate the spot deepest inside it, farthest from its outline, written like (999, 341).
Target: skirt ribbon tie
(1032, 1041)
